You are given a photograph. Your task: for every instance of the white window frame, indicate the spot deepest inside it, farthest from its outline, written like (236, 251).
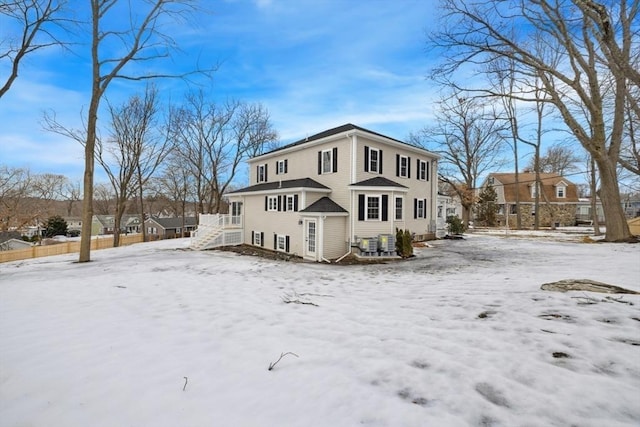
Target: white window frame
(280, 167)
(289, 202)
(257, 238)
(422, 170)
(272, 203)
(378, 197)
(281, 242)
(404, 168)
(395, 208)
(327, 161)
(421, 211)
(261, 173)
(534, 190)
(375, 169)
(561, 191)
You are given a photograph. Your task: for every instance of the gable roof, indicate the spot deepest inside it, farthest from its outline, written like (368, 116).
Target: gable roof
(285, 184)
(378, 181)
(548, 181)
(336, 131)
(324, 205)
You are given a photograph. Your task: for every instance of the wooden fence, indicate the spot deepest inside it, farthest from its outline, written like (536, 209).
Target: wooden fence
(65, 248)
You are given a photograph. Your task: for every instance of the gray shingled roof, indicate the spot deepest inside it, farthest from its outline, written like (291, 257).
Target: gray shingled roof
(291, 183)
(171, 223)
(378, 181)
(325, 205)
(335, 131)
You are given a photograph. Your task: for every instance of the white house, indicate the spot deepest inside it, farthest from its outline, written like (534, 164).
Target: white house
(336, 192)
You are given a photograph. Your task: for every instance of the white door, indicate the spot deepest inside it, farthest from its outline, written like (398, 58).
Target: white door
(310, 238)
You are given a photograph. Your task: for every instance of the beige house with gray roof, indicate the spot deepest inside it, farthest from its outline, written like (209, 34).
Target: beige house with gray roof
(322, 197)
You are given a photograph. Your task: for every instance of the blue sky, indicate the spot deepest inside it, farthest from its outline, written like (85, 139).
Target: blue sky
(314, 64)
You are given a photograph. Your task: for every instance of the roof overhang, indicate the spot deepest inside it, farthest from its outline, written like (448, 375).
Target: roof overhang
(280, 191)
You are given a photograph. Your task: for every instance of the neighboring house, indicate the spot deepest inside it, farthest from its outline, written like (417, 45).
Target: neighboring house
(583, 212)
(330, 194)
(105, 224)
(558, 198)
(631, 206)
(169, 228)
(447, 206)
(11, 244)
(74, 223)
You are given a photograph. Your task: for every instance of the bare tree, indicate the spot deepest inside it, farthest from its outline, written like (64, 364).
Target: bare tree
(558, 158)
(104, 199)
(115, 44)
(133, 152)
(35, 22)
(71, 194)
(468, 136)
(15, 190)
(587, 63)
(213, 140)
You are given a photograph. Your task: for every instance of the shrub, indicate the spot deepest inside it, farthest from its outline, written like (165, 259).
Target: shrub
(456, 226)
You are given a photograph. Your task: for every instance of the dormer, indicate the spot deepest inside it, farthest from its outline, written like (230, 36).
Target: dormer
(561, 190)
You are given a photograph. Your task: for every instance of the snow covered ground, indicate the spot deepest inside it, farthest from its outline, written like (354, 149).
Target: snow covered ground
(157, 335)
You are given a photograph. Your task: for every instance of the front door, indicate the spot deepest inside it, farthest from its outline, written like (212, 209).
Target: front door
(310, 238)
(236, 213)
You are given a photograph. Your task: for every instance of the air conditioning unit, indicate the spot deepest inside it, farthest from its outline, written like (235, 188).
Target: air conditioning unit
(369, 244)
(386, 242)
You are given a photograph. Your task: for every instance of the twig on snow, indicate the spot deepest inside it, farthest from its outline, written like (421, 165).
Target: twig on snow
(295, 299)
(273, 364)
(185, 383)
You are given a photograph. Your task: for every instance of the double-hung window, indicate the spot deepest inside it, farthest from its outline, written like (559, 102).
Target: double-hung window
(290, 206)
(272, 203)
(327, 161)
(404, 166)
(374, 160)
(373, 208)
(281, 167)
(419, 208)
(423, 170)
(561, 191)
(398, 209)
(262, 173)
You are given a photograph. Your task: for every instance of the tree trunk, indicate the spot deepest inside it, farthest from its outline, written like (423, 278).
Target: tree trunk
(87, 199)
(617, 229)
(594, 205)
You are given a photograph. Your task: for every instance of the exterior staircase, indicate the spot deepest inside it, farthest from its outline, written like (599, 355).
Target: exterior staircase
(215, 230)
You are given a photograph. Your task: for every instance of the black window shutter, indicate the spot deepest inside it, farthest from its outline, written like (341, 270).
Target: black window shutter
(253, 238)
(262, 238)
(379, 161)
(258, 173)
(319, 162)
(424, 212)
(360, 207)
(279, 203)
(366, 158)
(286, 243)
(275, 241)
(397, 164)
(335, 159)
(415, 208)
(385, 207)
(265, 172)
(295, 203)
(427, 171)
(266, 203)
(286, 165)
(277, 172)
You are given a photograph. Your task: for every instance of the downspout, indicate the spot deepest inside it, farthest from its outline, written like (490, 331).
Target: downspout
(321, 239)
